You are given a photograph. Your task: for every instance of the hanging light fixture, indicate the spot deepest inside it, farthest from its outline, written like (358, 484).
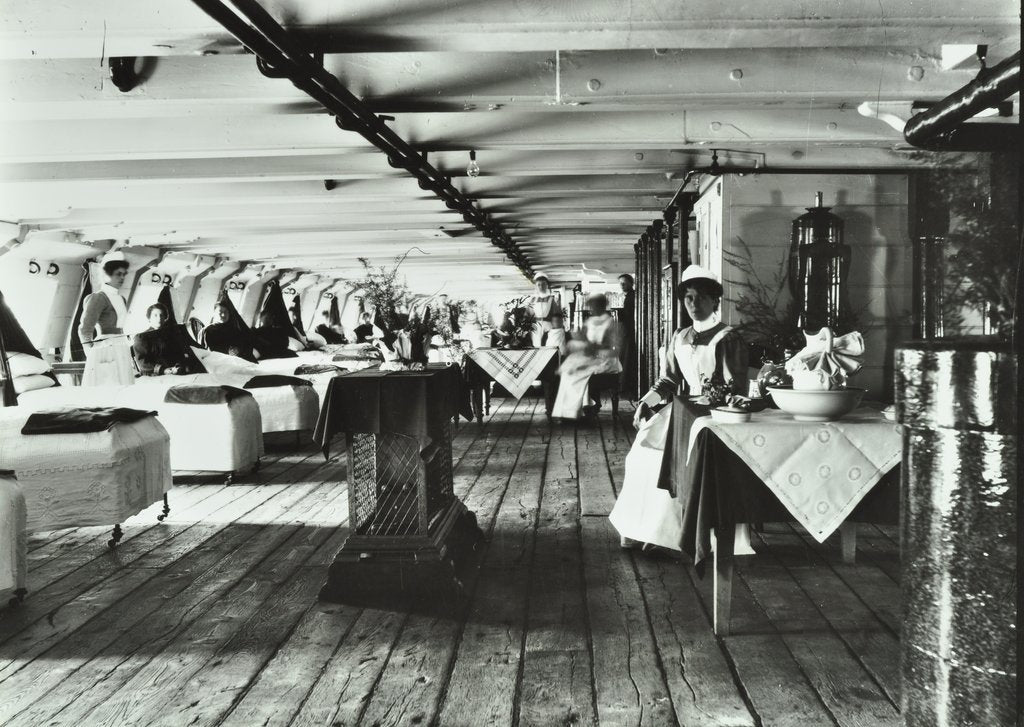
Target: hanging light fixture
(715, 168)
(472, 169)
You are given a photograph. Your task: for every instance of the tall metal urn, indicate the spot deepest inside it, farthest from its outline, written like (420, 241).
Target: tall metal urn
(819, 268)
(956, 400)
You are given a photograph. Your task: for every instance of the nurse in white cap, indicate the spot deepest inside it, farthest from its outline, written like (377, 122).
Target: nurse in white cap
(646, 513)
(547, 309)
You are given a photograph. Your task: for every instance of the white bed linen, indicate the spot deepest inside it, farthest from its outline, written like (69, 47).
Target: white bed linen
(282, 408)
(78, 480)
(205, 437)
(232, 368)
(13, 538)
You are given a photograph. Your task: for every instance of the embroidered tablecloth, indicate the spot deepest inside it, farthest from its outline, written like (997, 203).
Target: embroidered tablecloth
(513, 369)
(819, 471)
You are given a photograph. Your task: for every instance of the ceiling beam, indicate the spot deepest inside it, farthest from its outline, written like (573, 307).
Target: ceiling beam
(131, 28)
(403, 82)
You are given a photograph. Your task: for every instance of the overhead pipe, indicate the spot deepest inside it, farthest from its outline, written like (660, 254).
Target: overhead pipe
(277, 50)
(942, 127)
(677, 198)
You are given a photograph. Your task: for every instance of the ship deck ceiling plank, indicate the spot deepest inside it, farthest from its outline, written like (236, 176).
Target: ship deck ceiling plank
(124, 28)
(489, 82)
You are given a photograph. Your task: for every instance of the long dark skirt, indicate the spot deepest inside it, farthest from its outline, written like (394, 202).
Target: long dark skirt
(673, 464)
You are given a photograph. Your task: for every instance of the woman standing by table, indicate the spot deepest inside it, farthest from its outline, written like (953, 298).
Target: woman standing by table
(646, 510)
(547, 310)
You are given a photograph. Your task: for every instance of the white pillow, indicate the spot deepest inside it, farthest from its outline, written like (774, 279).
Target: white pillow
(31, 383)
(24, 365)
(295, 344)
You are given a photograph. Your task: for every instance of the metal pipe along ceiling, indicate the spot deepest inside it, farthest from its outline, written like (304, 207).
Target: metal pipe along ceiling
(942, 126)
(282, 53)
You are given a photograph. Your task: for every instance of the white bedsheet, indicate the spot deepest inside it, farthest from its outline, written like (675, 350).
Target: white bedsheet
(205, 437)
(282, 408)
(77, 480)
(13, 538)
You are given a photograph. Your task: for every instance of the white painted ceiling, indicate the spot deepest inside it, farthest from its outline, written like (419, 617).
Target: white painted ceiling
(584, 116)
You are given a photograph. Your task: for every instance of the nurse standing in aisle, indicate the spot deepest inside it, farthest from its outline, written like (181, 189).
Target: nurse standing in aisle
(107, 350)
(547, 310)
(644, 513)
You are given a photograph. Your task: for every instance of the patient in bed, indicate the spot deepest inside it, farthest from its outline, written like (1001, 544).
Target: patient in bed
(225, 336)
(163, 349)
(270, 340)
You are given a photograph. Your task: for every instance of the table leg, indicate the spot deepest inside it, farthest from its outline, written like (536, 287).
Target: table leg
(487, 398)
(550, 391)
(723, 581)
(848, 540)
(476, 400)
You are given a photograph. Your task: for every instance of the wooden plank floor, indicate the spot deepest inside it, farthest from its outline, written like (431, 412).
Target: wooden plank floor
(212, 618)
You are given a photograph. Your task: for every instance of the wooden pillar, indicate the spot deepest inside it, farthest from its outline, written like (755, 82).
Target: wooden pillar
(672, 258)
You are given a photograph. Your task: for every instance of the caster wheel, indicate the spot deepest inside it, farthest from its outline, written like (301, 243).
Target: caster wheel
(160, 518)
(111, 543)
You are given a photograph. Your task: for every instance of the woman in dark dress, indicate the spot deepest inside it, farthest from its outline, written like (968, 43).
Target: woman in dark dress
(227, 336)
(163, 349)
(271, 341)
(365, 330)
(329, 333)
(647, 510)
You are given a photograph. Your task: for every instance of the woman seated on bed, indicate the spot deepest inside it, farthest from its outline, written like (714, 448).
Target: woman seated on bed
(271, 341)
(366, 331)
(163, 349)
(223, 336)
(331, 334)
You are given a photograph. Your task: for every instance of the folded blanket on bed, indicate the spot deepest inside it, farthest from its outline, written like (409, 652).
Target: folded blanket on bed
(312, 369)
(81, 420)
(265, 380)
(371, 355)
(199, 394)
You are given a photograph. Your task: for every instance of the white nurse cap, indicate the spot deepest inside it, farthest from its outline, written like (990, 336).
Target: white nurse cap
(695, 272)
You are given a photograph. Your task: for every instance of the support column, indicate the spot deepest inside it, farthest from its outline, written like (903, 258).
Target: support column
(957, 402)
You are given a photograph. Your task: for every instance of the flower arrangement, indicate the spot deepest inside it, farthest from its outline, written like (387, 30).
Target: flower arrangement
(383, 289)
(523, 321)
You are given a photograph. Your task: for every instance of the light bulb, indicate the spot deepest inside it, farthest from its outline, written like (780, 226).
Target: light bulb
(472, 169)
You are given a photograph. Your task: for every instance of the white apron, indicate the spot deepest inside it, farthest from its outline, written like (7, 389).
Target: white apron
(108, 357)
(644, 512)
(575, 372)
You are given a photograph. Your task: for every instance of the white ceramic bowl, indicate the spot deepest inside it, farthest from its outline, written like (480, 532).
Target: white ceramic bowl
(817, 406)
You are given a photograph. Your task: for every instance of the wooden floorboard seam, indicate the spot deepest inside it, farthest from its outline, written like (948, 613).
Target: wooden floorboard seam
(472, 587)
(503, 420)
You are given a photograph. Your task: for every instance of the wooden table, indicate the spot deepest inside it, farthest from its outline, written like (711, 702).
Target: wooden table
(720, 492)
(410, 535)
(480, 370)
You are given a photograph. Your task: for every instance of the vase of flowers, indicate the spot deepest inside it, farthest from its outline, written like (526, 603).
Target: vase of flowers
(522, 321)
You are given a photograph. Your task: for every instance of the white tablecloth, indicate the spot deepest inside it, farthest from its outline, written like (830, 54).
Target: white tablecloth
(819, 471)
(515, 370)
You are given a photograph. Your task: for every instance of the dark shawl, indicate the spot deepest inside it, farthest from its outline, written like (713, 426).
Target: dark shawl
(234, 337)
